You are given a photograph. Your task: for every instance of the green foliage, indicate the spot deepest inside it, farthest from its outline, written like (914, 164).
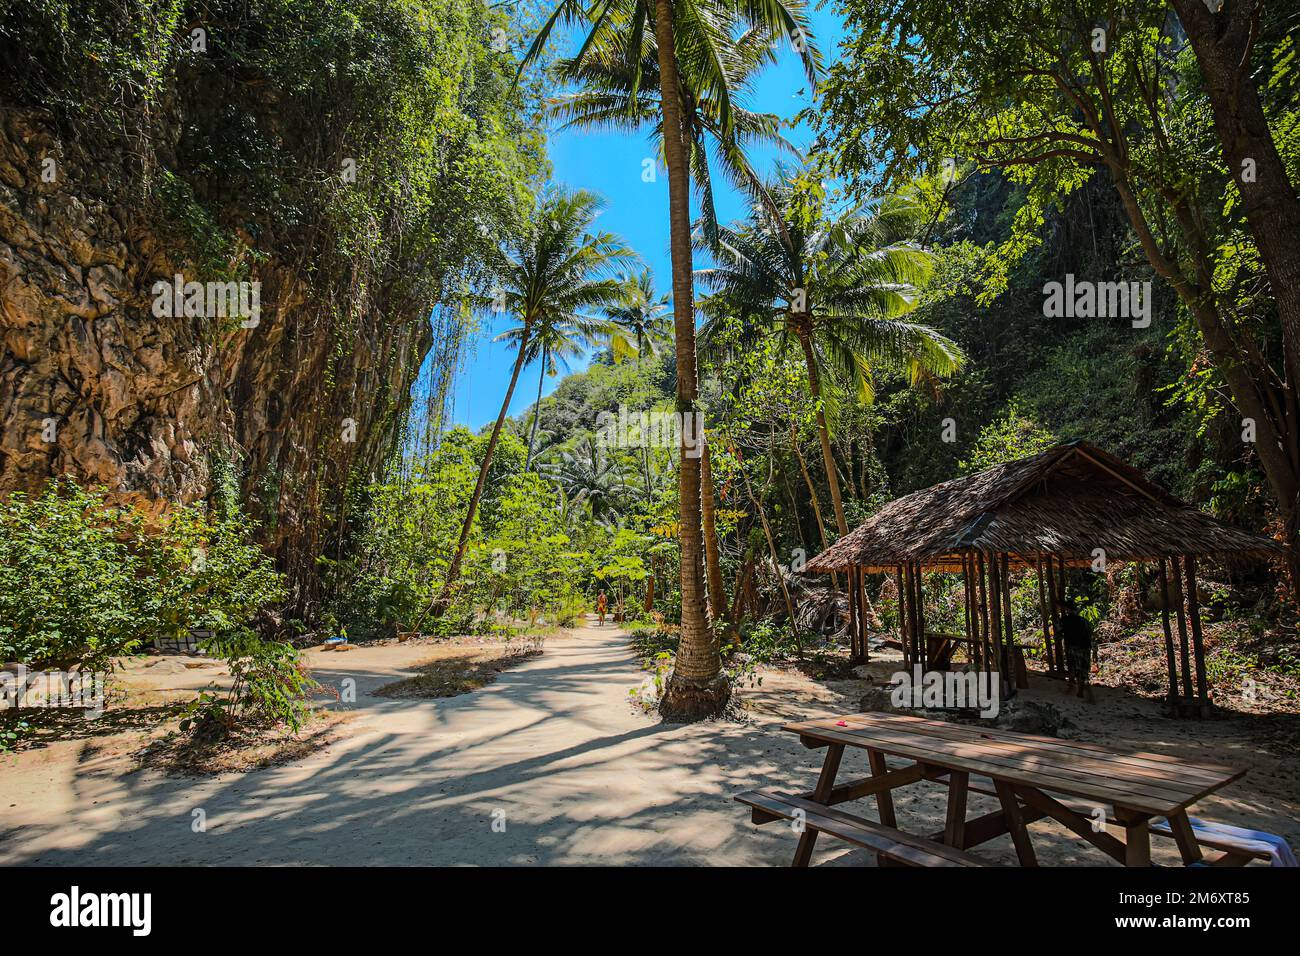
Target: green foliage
(1010, 437)
(83, 580)
(270, 688)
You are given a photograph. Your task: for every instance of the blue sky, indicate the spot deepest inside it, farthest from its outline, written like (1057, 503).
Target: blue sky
(610, 164)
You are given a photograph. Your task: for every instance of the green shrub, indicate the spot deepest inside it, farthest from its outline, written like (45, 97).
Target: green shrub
(69, 592)
(83, 580)
(270, 687)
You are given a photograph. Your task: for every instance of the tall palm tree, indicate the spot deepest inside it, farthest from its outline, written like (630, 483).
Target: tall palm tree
(837, 288)
(616, 91)
(555, 339)
(640, 325)
(554, 275)
(693, 41)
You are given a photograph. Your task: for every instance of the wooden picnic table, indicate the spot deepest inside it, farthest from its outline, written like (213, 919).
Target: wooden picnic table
(1029, 775)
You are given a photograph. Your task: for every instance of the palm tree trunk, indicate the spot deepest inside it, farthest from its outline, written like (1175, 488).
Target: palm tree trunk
(823, 433)
(537, 412)
(441, 602)
(812, 495)
(696, 688)
(776, 558)
(712, 560)
(832, 480)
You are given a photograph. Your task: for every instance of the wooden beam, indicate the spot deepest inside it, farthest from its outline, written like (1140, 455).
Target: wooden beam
(904, 612)
(1185, 837)
(954, 829)
(1060, 605)
(985, 648)
(1071, 820)
(1113, 473)
(1170, 664)
(884, 799)
(1048, 656)
(870, 786)
(1137, 836)
(1009, 634)
(1198, 640)
(1016, 824)
(922, 652)
(995, 613)
(990, 826)
(1186, 667)
(825, 784)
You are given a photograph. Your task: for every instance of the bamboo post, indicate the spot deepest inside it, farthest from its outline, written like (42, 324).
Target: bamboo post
(1060, 602)
(995, 614)
(1198, 641)
(1169, 636)
(1042, 614)
(1185, 668)
(910, 583)
(919, 651)
(903, 612)
(864, 603)
(1053, 610)
(968, 610)
(1009, 629)
(862, 617)
(984, 612)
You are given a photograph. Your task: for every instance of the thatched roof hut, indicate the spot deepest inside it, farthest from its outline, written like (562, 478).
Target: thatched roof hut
(1065, 502)
(1073, 505)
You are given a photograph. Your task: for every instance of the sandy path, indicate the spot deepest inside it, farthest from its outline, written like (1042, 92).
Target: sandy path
(552, 749)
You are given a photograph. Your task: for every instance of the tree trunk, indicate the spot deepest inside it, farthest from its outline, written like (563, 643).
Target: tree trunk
(832, 476)
(712, 559)
(697, 687)
(441, 602)
(537, 412)
(828, 457)
(812, 495)
(1223, 43)
(776, 560)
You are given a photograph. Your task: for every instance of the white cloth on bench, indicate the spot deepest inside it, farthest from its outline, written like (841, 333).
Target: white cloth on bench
(1251, 841)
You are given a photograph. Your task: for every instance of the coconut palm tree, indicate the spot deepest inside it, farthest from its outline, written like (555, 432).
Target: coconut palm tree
(837, 289)
(693, 41)
(555, 339)
(640, 325)
(587, 475)
(554, 275)
(616, 91)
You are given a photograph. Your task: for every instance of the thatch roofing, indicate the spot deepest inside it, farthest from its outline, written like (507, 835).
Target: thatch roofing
(1064, 503)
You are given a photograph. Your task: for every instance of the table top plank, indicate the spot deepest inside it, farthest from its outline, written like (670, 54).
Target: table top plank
(1026, 768)
(1149, 783)
(1129, 765)
(1211, 771)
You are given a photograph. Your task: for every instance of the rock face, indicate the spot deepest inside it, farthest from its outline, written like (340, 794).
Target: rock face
(95, 385)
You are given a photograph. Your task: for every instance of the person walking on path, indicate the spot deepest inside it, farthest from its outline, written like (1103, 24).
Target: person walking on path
(602, 603)
(1076, 634)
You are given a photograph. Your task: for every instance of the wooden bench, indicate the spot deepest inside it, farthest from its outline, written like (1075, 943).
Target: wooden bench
(1233, 852)
(888, 842)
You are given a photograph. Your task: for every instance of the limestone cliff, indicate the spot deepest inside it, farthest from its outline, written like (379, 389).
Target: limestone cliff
(96, 386)
(352, 166)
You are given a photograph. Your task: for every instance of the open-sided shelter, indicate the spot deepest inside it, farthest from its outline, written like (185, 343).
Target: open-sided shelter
(1071, 506)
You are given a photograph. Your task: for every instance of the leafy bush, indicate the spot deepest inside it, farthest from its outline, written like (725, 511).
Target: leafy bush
(69, 594)
(84, 579)
(270, 687)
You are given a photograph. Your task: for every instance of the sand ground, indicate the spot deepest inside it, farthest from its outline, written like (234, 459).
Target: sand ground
(551, 764)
